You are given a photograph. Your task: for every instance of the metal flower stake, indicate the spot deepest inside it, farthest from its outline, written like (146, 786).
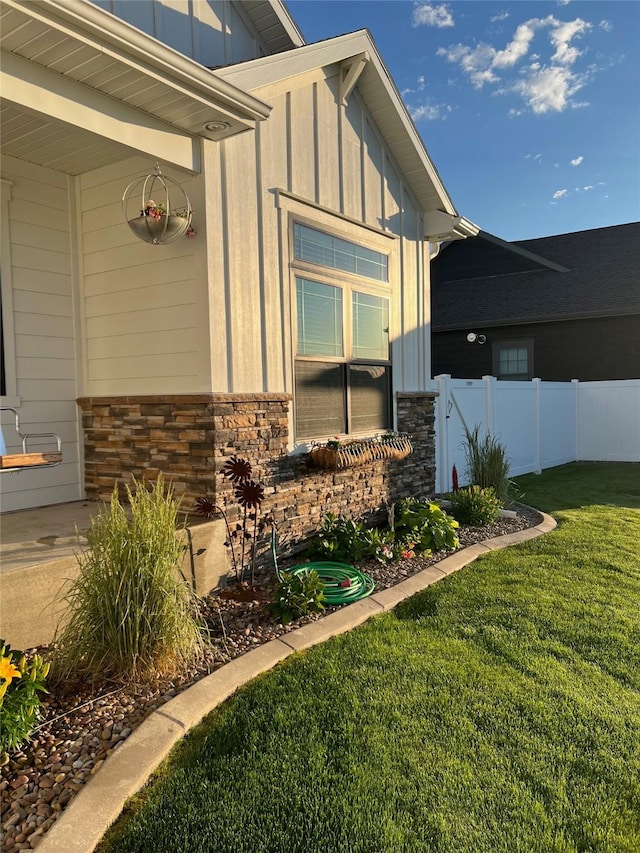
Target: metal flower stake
(242, 540)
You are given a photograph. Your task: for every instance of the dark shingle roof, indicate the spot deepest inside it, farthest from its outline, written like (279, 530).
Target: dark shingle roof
(583, 274)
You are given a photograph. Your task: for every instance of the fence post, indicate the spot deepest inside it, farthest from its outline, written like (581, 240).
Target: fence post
(442, 431)
(489, 402)
(537, 462)
(576, 413)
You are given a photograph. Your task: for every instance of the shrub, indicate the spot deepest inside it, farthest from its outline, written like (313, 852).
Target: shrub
(475, 505)
(426, 525)
(21, 683)
(297, 595)
(487, 464)
(129, 612)
(343, 540)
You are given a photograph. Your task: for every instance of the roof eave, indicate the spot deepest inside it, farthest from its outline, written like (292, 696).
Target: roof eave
(82, 19)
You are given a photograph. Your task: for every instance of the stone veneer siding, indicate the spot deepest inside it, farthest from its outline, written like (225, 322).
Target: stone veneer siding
(189, 437)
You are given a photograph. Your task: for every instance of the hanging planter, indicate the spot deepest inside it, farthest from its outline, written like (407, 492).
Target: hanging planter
(157, 209)
(337, 455)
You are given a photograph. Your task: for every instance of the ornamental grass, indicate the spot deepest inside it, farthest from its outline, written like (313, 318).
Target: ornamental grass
(130, 613)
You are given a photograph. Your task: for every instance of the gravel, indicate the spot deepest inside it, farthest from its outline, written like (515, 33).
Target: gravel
(83, 727)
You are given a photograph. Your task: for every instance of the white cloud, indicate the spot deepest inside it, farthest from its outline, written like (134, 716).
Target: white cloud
(560, 194)
(546, 84)
(532, 156)
(420, 84)
(430, 112)
(548, 89)
(587, 188)
(577, 160)
(605, 25)
(501, 16)
(563, 2)
(560, 37)
(430, 15)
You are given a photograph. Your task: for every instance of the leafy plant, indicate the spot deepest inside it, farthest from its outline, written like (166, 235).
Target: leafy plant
(129, 612)
(343, 540)
(475, 505)
(487, 463)
(242, 538)
(297, 595)
(426, 525)
(21, 683)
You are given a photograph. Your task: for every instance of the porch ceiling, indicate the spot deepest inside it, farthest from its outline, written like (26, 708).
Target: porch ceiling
(46, 142)
(78, 44)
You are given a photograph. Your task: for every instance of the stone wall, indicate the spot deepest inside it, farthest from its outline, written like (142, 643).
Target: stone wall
(189, 437)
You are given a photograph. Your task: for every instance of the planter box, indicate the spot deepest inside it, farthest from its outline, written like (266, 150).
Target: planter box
(355, 453)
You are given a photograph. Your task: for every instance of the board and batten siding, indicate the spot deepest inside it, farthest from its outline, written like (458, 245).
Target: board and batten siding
(144, 306)
(213, 32)
(333, 160)
(41, 331)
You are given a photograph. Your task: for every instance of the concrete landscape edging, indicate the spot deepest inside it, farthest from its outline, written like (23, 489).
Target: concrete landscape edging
(124, 773)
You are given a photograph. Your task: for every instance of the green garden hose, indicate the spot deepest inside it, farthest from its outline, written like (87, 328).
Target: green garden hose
(343, 584)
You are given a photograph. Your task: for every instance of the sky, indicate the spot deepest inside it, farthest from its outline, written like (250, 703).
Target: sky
(530, 111)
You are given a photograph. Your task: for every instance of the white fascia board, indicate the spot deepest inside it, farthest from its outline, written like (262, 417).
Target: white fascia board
(83, 20)
(35, 88)
(257, 73)
(292, 29)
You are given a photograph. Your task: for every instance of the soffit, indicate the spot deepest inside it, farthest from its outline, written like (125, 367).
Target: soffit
(45, 142)
(276, 27)
(85, 44)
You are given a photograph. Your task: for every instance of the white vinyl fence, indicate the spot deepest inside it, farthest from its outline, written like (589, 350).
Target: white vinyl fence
(541, 424)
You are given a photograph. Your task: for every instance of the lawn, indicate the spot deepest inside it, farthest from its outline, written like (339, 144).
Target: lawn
(497, 712)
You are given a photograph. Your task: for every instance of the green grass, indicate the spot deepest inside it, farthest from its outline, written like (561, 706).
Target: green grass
(497, 712)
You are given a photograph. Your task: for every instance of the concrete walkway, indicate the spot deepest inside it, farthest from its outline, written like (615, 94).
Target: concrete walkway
(102, 799)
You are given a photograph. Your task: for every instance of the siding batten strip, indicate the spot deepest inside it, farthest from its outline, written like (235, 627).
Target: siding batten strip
(224, 202)
(261, 282)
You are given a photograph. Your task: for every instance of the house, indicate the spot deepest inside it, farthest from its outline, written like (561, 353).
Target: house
(557, 308)
(298, 311)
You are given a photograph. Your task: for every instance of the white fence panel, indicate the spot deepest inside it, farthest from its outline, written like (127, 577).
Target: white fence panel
(557, 423)
(514, 423)
(609, 421)
(541, 424)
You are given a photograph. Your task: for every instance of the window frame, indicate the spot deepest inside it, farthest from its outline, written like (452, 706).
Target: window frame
(512, 343)
(348, 283)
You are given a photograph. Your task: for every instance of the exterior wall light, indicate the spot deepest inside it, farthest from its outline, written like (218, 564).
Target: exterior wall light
(476, 339)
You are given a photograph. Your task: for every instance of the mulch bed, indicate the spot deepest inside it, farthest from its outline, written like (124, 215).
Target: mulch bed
(84, 726)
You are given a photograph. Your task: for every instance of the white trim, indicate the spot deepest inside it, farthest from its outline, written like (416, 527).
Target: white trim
(11, 398)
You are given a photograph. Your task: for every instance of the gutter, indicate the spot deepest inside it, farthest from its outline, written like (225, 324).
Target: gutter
(442, 227)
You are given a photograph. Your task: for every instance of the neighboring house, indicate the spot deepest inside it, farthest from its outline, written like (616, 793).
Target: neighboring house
(558, 308)
(299, 310)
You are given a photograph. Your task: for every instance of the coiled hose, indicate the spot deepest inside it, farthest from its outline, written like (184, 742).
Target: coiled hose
(343, 584)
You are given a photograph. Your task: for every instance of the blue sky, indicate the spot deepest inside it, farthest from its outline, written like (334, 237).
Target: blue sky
(529, 110)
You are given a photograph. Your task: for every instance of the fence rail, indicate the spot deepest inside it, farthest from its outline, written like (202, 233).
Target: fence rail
(541, 424)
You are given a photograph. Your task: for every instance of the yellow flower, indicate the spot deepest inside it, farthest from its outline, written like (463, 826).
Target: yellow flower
(8, 670)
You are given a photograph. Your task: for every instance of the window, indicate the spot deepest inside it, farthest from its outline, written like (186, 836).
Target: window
(342, 365)
(513, 359)
(329, 251)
